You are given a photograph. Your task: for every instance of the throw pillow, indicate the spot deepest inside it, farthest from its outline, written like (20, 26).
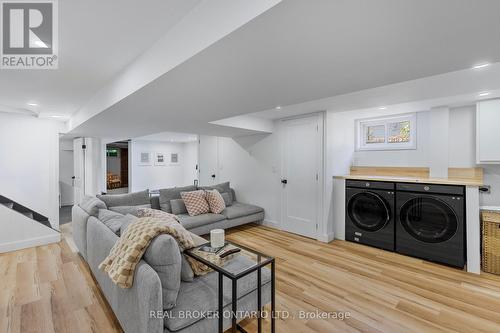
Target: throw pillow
(91, 205)
(196, 202)
(215, 201)
(227, 199)
(127, 220)
(178, 206)
(222, 188)
(112, 220)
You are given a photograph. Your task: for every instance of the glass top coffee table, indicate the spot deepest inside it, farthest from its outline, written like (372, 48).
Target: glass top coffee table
(256, 262)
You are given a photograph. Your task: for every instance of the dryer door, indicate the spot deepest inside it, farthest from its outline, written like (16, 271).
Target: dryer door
(428, 219)
(368, 211)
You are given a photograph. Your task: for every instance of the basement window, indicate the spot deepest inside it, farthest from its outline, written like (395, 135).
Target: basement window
(388, 133)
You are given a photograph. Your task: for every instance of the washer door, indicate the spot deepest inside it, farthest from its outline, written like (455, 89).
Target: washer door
(368, 211)
(428, 219)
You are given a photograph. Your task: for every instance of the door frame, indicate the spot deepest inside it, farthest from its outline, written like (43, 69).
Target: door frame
(320, 162)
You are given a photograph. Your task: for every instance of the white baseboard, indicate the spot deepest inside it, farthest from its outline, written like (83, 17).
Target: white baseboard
(271, 224)
(32, 242)
(325, 238)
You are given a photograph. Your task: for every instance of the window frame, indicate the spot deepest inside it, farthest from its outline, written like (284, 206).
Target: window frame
(362, 124)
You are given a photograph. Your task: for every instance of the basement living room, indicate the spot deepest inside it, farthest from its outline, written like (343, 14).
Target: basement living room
(192, 166)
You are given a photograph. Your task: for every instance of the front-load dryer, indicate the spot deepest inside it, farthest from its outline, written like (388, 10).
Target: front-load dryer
(431, 222)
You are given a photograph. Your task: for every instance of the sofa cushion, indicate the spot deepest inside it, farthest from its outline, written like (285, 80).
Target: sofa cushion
(196, 202)
(91, 205)
(130, 219)
(215, 201)
(189, 222)
(164, 256)
(178, 206)
(187, 273)
(239, 209)
(132, 210)
(129, 199)
(168, 194)
(201, 295)
(112, 220)
(222, 188)
(227, 199)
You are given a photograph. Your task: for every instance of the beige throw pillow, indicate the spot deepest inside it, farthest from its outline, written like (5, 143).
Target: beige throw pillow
(215, 201)
(196, 202)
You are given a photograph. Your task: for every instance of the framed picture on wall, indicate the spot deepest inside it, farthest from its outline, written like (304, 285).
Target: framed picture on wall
(160, 159)
(144, 158)
(174, 158)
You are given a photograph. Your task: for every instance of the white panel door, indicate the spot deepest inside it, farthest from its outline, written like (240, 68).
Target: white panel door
(79, 170)
(302, 158)
(208, 160)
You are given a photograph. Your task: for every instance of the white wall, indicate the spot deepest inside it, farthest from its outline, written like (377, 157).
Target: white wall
(29, 163)
(253, 166)
(463, 152)
(66, 172)
(158, 177)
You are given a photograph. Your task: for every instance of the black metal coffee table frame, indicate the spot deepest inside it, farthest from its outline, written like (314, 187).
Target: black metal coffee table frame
(234, 281)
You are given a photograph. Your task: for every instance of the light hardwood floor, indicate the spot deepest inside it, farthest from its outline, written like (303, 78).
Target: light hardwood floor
(50, 289)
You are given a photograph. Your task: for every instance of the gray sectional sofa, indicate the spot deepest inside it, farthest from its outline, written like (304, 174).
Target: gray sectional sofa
(164, 285)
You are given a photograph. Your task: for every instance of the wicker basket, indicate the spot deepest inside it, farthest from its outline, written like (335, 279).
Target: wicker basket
(491, 242)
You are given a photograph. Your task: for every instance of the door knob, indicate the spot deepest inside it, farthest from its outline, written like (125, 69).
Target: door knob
(284, 181)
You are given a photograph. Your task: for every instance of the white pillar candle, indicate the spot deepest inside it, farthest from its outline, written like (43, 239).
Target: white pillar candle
(217, 238)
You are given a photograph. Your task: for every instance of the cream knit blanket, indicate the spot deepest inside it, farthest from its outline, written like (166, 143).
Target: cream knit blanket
(130, 247)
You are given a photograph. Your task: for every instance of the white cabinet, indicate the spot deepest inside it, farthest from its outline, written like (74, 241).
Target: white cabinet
(488, 132)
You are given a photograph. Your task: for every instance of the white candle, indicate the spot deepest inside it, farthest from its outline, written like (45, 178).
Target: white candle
(217, 238)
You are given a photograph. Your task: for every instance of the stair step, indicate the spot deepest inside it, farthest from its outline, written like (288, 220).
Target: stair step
(8, 204)
(46, 223)
(28, 214)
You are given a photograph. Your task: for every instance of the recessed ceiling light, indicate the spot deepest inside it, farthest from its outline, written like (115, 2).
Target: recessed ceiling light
(32, 104)
(484, 93)
(56, 116)
(479, 66)
(278, 107)
(382, 107)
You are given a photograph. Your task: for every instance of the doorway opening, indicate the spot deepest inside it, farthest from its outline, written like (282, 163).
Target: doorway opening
(66, 180)
(117, 166)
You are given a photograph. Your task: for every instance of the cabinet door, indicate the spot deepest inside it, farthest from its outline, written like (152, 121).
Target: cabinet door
(487, 132)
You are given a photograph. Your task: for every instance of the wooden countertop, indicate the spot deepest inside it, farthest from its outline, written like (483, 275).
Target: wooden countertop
(446, 181)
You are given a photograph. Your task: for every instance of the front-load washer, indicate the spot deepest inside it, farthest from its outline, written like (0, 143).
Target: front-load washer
(370, 213)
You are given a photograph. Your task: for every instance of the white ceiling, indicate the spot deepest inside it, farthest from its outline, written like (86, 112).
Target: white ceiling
(169, 137)
(97, 39)
(300, 51)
